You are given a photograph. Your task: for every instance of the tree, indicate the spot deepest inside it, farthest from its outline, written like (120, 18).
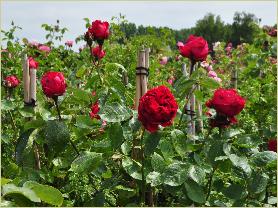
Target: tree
(244, 28)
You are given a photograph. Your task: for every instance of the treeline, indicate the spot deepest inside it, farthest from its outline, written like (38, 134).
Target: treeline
(211, 27)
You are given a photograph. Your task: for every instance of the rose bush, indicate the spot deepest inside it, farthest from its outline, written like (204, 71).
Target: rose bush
(90, 151)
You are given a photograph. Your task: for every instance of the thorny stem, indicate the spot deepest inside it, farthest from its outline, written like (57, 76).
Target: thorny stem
(60, 119)
(210, 182)
(96, 65)
(142, 169)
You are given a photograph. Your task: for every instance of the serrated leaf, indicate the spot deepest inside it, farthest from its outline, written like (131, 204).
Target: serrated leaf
(257, 182)
(132, 167)
(261, 159)
(86, 122)
(46, 193)
(234, 191)
(240, 162)
(197, 174)
(151, 141)
(34, 124)
(115, 133)
(195, 192)
(86, 162)
(154, 178)
(10, 189)
(21, 145)
(158, 163)
(174, 174)
(231, 133)
(114, 112)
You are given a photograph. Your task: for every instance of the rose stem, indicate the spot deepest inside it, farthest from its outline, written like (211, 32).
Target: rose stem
(142, 168)
(92, 56)
(60, 119)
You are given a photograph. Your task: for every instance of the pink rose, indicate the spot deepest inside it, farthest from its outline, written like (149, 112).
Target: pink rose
(163, 60)
(180, 44)
(212, 74)
(69, 43)
(217, 79)
(32, 63)
(44, 48)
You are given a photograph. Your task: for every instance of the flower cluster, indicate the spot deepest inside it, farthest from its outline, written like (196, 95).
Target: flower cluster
(229, 49)
(195, 48)
(98, 31)
(11, 81)
(69, 43)
(210, 71)
(53, 84)
(157, 107)
(227, 103)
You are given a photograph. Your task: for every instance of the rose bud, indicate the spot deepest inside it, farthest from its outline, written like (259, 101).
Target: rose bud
(99, 31)
(94, 110)
(53, 84)
(157, 107)
(11, 81)
(163, 60)
(272, 145)
(98, 53)
(32, 63)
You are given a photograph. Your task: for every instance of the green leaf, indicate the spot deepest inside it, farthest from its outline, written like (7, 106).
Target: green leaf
(197, 174)
(248, 141)
(34, 124)
(79, 95)
(151, 141)
(132, 167)
(98, 200)
(240, 162)
(215, 150)
(86, 162)
(175, 174)
(183, 86)
(7, 105)
(46, 193)
(257, 182)
(179, 142)
(209, 83)
(158, 163)
(154, 178)
(115, 133)
(167, 149)
(80, 72)
(195, 192)
(114, 112)
(231, 133)
(10, 189)
(27, 111)
(262, 159)
(86, 122)
(234, 191)
(199, 95)
(21, 145)
(56, 135)
(5, 181)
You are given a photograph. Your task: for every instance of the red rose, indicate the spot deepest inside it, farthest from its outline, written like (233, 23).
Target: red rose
(32, 63)
(94, 111)
(227, 104)
(99, 30)
(272, 32)
(195, 48)
(272, 145)
(157, 107)
(11, 81)
(98, 52)
(53, 84)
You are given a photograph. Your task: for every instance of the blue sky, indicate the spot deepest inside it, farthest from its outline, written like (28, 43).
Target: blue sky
(175, 14)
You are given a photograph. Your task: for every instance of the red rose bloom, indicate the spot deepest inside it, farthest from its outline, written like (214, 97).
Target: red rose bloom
(195, 48)
(272, 145)
(98, 52)
(53, 84)
(11, 81)
(227, 103)
(32, 63)
(99, 30)
(272, 32)
(157, 107)
(94, 111)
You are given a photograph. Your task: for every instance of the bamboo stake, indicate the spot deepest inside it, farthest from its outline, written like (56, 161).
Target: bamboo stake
(192, 107)
(141, 79)
(26, 78)
(234, 79)
(33, 86)
(199, 114)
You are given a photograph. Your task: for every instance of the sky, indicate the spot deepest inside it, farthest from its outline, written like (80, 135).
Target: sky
(30, 15)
